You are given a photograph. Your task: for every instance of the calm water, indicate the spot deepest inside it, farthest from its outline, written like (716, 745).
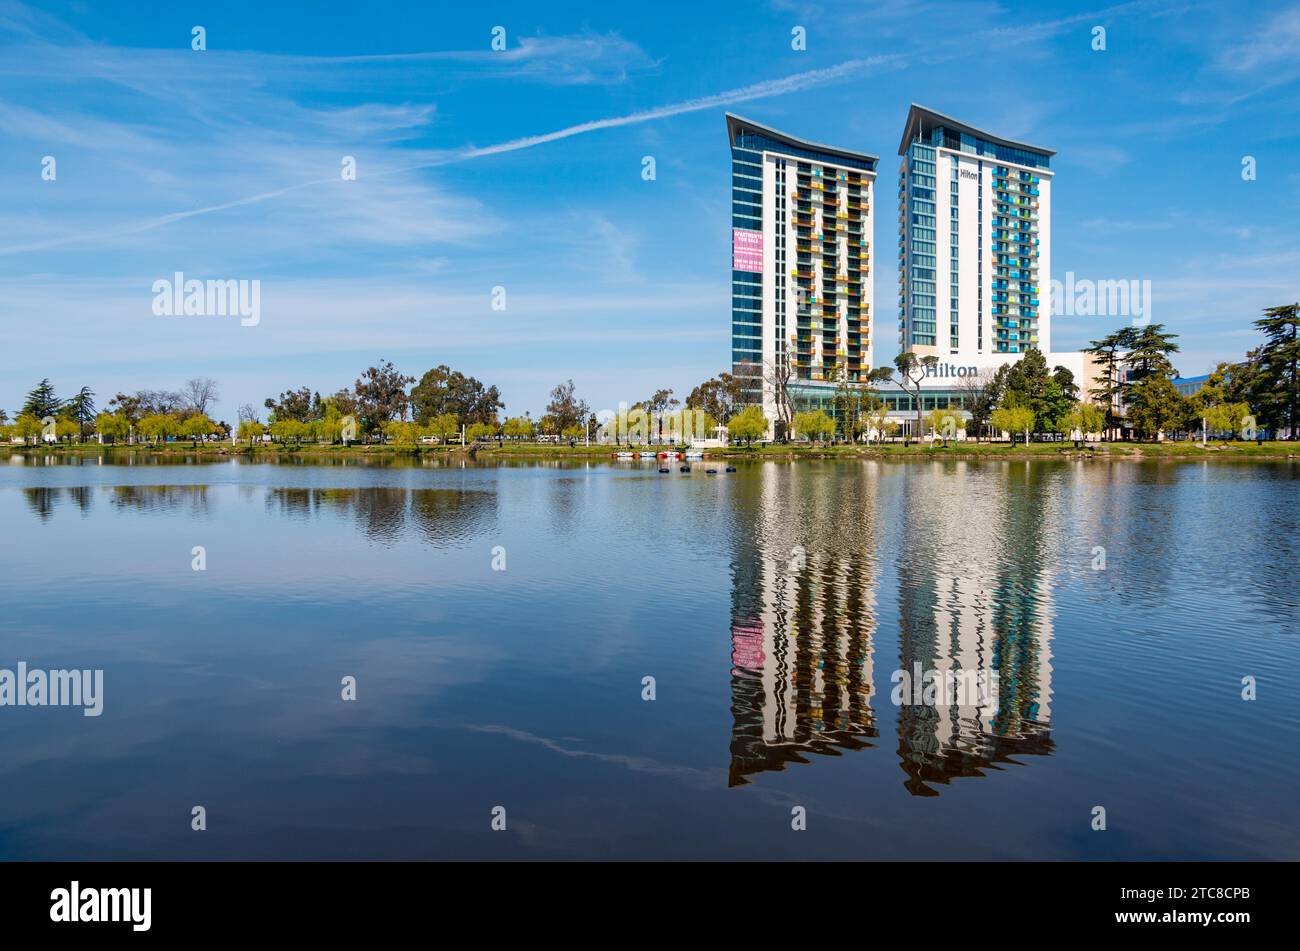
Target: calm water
(772, 606)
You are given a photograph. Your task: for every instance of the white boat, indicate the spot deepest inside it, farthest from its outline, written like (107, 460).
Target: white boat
(648, 455)
(694, 454)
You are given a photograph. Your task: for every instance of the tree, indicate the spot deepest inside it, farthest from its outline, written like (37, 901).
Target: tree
(944, 422)
(403, 435)
(814, 424)
(778, 375)
(41, 401)
(481, 431)
(65, 428)
(879, 421)
(519, 427)
(1149, 352)
(81, 410)
(1084, 418)
(1027, 383)
(1154, 406)
(251, 430)
(565, 409)
(444, 390)
(1224, 418)
(749, 424)
(28, 427)
(852, 402)
(980, 396)
(200, 393)
(720, 397)
(445, 426)
(345, 401)
(1110, 393)
(301, 404)
(656, 406)
(197, 426)
(159, 426)
(1013, 419)
(113, 426)
(909, 370)
(1277, 387)
(381, 395)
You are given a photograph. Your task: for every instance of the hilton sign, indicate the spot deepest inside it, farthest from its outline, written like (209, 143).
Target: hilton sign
(947, 371)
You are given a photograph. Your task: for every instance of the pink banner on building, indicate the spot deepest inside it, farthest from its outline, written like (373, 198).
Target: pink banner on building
(747, 250)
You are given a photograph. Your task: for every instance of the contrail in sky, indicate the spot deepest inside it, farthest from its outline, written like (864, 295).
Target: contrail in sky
(796, 82)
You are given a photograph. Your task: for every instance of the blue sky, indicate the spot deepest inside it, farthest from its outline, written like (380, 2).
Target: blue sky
(224, 164)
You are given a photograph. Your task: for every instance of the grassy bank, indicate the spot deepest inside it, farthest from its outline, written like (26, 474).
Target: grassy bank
(1236, 451)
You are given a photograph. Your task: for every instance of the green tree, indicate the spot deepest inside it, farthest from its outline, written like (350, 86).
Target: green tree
(481, 431)
(41, 401)
(444, 390)
(65, 429)
(81, 410)
(28, 427)
(565, 409)
(301, 404)
(197, 426)
(944, 422)
(331, 424)
(402, 434)
(749, 424)
(444, 426)
(719, 397)
(1085, 418)
(1149, 354)
(1013, 419)
(814, 424)
(1154, 405)
(879, 421)
(852, 403)
(381, 395)
(1225, 418)
(690, 425)
(113, 426)
(1110, 392)
(159, 426)
(656, 406)
(518, 427)
(1276, 388)
(979, 398)
(251, 430)
(909, 370)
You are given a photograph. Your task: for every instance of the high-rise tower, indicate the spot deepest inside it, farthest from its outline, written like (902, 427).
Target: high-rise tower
(801, 283)
(974, 240)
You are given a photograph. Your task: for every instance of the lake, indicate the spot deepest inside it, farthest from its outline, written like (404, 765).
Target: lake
(500, 623)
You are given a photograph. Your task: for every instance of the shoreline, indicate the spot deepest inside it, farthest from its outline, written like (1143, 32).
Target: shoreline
(1120, 451)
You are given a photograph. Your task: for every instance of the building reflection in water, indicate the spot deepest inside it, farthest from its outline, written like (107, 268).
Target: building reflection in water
(803, 616)
(973, 553)
(975, 598)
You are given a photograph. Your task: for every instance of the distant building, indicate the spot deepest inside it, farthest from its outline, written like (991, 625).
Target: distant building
(974, 263)
(1187, 386)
